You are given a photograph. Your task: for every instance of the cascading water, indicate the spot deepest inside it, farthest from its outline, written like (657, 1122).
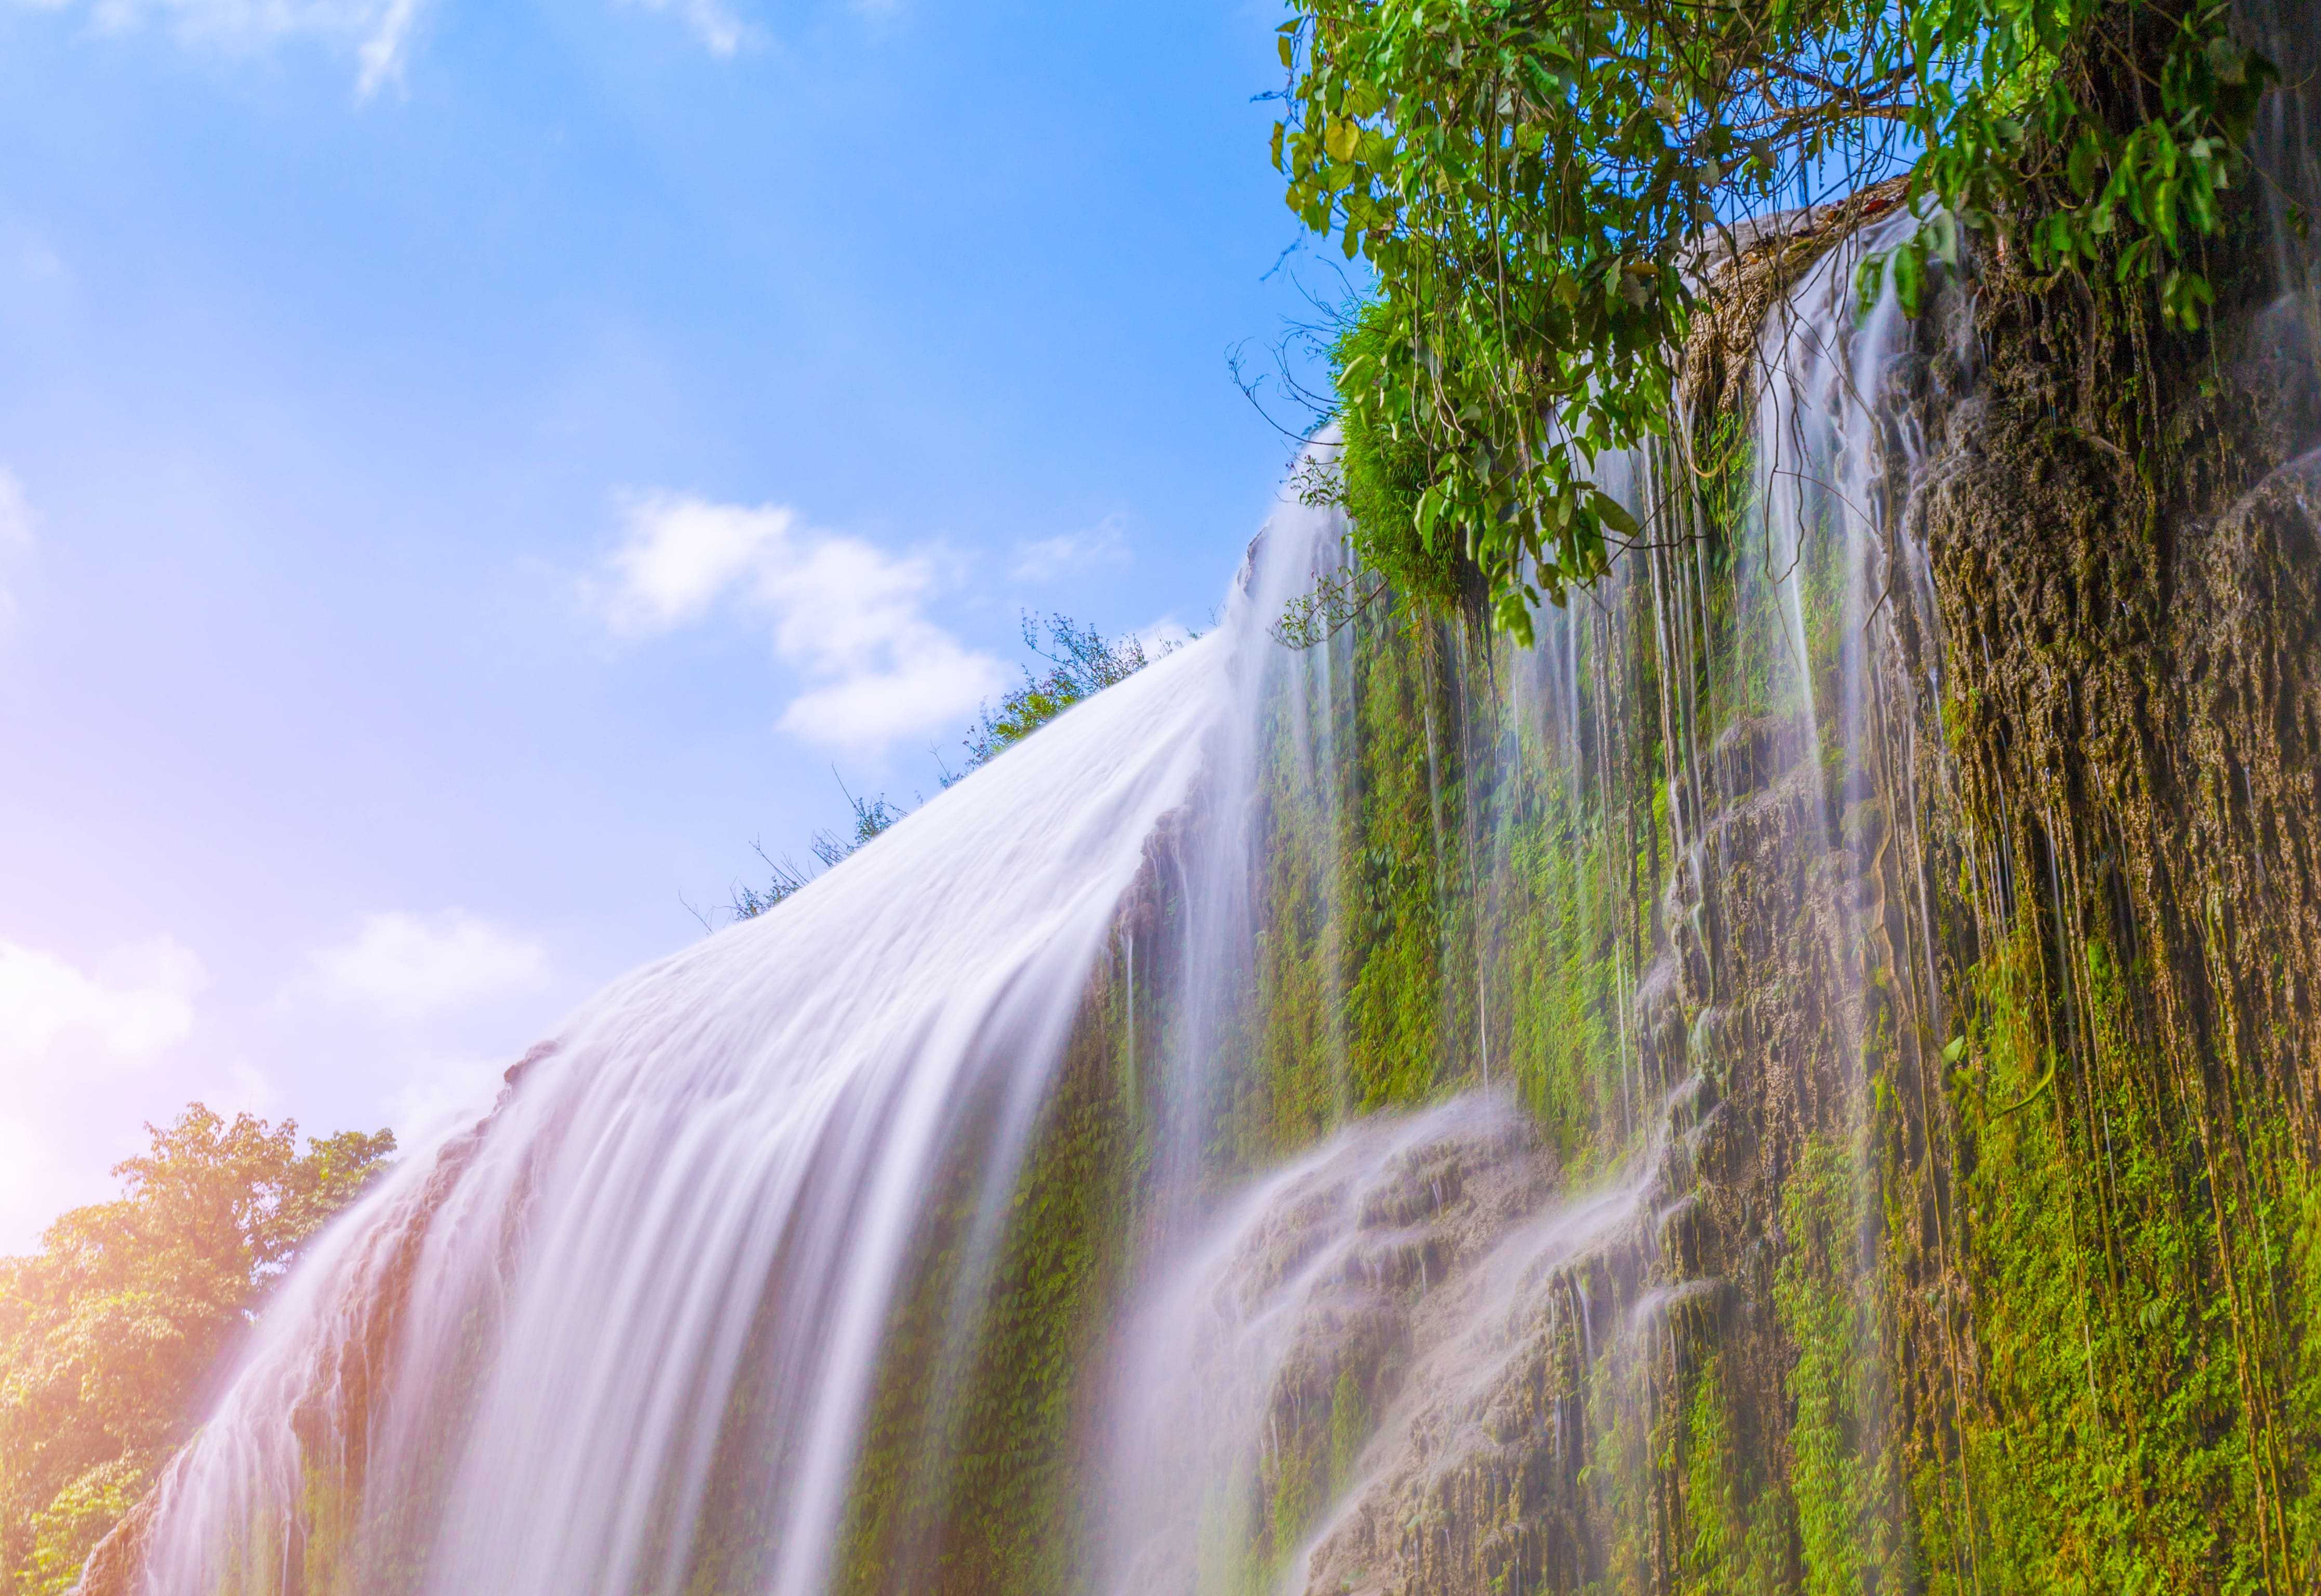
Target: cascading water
(630, 1335)
(1828, 451)
(1423, 1357)
(622, 1336)
(1409, 1309)
(1243, 1374)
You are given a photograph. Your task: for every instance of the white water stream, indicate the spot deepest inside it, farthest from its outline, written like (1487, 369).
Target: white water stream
(697, 1208)
(1362, 1345)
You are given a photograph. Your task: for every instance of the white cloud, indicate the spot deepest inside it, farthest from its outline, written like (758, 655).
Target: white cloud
(384, 52)
(1105, 543)
(850, 616)
(53, 1012)
(70, 1040)
(682, 556)
(378, 30)
(412, 967)
(927, 688)
(721, 32)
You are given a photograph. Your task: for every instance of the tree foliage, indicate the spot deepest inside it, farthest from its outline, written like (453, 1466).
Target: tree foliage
(1530, 180)
(1379, 477)
(110, 1334)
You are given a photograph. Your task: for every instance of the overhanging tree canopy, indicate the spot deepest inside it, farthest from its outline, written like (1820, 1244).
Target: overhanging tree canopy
(1526, 176)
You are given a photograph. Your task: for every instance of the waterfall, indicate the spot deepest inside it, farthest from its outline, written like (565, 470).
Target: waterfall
(622, 1335)
(1418, 1298)
(1246, 1372)
(1429, 1353)
(631, 1333)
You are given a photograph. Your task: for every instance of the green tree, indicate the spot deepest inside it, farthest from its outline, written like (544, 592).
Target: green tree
(111, 1333)
(1535, 183)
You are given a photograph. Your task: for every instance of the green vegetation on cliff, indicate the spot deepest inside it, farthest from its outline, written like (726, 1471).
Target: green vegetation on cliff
(1532, 181)
(1082, 662)
(1975, 883)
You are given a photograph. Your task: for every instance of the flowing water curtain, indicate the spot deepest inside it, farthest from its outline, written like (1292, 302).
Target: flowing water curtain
(1235, 840)
(623, 1335)
(1707, 713)
(1828, 569)
(1254, 1367)
(2287, 148)
(1413, 1355)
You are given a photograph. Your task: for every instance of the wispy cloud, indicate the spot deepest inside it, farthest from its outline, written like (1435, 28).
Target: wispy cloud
(386, 47)
(379, 31)
(1105, 543)
(849, 616)
(18, 536)
(69, 1036)
(140, 1006)
(411, 968)
(721, 32)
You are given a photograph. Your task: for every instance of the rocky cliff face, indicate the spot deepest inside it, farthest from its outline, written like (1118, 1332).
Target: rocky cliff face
(1916, 898)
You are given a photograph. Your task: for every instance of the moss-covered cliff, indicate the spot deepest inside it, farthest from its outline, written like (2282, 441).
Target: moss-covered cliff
(1900, 892)
(1983, 905)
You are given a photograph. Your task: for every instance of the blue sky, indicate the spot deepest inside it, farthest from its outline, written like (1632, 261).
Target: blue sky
(471, 468)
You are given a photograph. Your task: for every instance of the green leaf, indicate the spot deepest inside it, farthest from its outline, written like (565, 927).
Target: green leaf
(1869, 281)
(2226, 61)
(2081, 167)
(1909, 277)
(1523, 174)
(1615, 515)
